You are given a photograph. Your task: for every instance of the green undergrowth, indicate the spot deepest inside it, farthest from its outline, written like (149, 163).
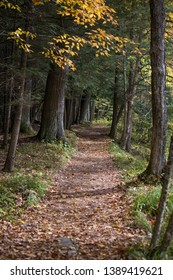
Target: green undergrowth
(145, 203)
(129, 164)
(45, 157)
(144, 198)
(18, 192)
(35, 164)
(103, 121)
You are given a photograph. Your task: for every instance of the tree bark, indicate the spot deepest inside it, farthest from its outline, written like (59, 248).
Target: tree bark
(77, 105)
(115, 105)
(85, 103)
(167, 238)
(159, 112)
(7, 109)
(165, 180)
(128, 112)
(69, 112)
(9, 86)
(92, 111)
(9, 163)
(26, 112)
(20, 86)
(52, 121)
(61, 103)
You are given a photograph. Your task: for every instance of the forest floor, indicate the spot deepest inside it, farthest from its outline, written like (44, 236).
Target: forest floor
(85, 213)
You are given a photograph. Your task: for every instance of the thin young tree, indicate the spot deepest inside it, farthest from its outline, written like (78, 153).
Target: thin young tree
(20, 78)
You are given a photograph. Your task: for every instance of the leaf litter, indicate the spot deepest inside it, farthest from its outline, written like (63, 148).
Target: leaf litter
(85, 213)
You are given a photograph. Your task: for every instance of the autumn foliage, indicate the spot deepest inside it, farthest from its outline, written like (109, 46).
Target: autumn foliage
(91, 16)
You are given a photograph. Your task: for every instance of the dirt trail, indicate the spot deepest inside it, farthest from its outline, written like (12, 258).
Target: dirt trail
(84, 215)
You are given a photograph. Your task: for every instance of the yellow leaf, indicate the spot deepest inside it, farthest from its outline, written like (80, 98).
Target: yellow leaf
(37, 2)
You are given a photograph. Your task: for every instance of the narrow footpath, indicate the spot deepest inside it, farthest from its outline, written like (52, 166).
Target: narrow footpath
(84, 214)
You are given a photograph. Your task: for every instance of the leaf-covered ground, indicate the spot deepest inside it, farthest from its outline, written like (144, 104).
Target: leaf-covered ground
(85, 213)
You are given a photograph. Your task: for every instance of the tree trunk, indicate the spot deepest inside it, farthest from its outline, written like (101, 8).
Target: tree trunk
(7, 109)
(159, 112)
(52, 121)
(26, 112)
(69, 112)
(61, 103)
(115, 105)
(167, 238)
(77, 105)
(165, 180)
(85, 103)
(9, 163)
(20, 86)
(9, 86)
(128, 113)
(92, 112)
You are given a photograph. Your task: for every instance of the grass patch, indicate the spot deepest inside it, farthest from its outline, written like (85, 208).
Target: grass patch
(35, 163)
(45, 157)
(129, 165)
(19, 191)
(144, 205)
(146, 199)
(102, 121)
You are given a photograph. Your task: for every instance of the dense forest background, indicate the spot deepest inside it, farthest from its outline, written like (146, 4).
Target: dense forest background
(67, 63)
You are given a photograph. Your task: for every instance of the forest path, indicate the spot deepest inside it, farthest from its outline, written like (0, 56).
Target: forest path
(84, 215)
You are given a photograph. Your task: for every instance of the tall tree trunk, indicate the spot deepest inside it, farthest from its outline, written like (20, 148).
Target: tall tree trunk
(61, 103)
(77, 110)
(128, 112)
(52, 121)
(85, 103)
(69, 102)
(26, 112)
(9, 86)
(9, 163)
(7, 109)
(159, 112)
(167, 238)
(20, 86)
(92, 112)
(165, 180)
(115, 105)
